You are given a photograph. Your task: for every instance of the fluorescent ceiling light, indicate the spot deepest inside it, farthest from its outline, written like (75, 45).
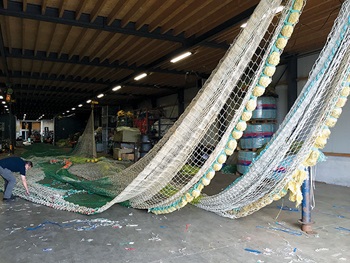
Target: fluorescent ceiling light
(100, 95)
(1, 97)
(73, 108)
(3, 102)
(244, 25)
(117, 88)
(141, 76)
(182, 56)
(88, 101)
(80, 105)
(67, 111)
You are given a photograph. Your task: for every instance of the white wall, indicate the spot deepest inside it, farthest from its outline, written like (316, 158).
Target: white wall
(334, 169)
(47, 123)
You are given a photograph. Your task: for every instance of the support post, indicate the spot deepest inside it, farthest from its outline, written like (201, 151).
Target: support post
(306, 205)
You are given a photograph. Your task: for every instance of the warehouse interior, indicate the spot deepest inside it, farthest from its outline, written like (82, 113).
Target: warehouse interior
(105, 69)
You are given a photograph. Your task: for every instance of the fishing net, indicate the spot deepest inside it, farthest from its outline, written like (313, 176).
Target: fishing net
(194, 149)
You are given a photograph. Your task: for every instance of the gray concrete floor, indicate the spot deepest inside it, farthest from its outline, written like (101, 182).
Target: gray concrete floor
(35, 233)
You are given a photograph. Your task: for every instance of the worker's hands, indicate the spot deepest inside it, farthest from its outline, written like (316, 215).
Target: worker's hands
(27, 192)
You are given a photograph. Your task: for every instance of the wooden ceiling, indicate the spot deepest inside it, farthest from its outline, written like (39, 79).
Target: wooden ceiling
(57, 54)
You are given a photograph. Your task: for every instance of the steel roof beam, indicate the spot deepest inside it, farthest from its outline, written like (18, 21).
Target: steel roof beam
(64, 58)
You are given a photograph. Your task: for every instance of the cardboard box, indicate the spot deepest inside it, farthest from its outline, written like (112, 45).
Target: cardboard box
(127, 135)
(128, 156)
(118, 153)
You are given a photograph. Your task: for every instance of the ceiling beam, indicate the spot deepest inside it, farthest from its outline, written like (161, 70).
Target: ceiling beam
(54, 15)
(79, 19)
(72, 78)
(65, 58)
(201, 39)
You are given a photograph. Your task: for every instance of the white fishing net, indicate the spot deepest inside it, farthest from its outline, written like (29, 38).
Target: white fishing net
(187, 158)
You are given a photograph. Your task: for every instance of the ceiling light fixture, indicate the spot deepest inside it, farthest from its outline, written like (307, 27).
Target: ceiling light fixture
(88, 101)
(100, 95)
(1, 97)
(73, 108)
(141, 76)
(182, 56)
(117, 88)
(244, 25)
(80, 105)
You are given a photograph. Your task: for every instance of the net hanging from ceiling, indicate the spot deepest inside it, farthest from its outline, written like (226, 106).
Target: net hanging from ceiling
(174, 172)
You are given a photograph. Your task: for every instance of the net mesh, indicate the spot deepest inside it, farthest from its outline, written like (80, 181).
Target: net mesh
(86, 145)
(186, 159)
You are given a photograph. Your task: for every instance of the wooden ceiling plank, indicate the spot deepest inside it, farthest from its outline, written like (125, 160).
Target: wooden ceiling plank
(114, 13)
(104, 73)
(104, 76)
(99, 48)
(5, 3)
(8, 33)
(91, 73)
(122, 57)
(81, 6)
(194, 16)
(31, 67)
(43, 7)
(145, 44)
(37, 38)
(212, 19)
(24, 5)
(62, 8)
(77, 42)
(96, 10)
(82, 72)
(52, 39)
(159, 14)
(65, 40)
(122, 45)
(135, 9)
(87, 46)
(107, 52)
(147, 12)
(153, 54)
(170, 21)
(23, 35)
(75, 69)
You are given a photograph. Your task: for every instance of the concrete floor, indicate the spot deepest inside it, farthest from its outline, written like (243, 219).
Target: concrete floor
(35, 233)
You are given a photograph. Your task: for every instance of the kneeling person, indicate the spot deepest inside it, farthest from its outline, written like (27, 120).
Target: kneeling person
(13, 165)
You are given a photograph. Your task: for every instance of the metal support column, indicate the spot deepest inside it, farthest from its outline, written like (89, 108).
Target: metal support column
(306, 205)
(181, 101)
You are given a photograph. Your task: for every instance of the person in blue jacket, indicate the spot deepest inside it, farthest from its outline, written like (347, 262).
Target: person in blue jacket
(11, 165)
